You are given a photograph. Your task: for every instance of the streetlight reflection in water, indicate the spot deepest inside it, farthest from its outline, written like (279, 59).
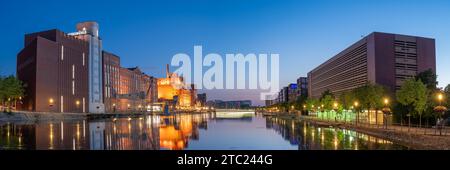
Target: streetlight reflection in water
(185, 131)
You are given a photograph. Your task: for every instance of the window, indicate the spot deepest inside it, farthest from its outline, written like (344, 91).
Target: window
(84, 105)
(73, 71)
(62, 53)
(83, 58)
(73, 87)
(62, 104)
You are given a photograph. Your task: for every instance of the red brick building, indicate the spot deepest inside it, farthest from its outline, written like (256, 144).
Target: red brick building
(54, 67)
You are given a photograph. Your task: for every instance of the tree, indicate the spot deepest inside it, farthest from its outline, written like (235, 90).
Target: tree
(11, 89)
(326, 93)
(413, 95)
(311, 104)
(447, 95)
(327, 103)
(370, 98)
(428, 78)
(300, 102)
(347, 99)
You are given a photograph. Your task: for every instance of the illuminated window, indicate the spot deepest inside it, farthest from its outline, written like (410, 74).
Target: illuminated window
(62, 53)
(62, 104)
(83, 58)
(73, 71)
(84, 105)
(73, 87)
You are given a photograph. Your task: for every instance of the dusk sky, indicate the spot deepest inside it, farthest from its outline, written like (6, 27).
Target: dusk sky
(304, 33)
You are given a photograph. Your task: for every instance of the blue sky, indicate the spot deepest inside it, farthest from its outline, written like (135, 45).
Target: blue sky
(304, 32)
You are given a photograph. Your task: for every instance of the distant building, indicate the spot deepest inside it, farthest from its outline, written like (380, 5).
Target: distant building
(201, 98)
(174, 90)
(292, 92)
(284, 95)
(135, 93)
(239, 104)
(302, 86)
(381, 58)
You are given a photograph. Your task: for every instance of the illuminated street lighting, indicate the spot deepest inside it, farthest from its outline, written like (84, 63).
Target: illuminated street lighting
(386, 110)
(441, 110)
(50, 102)
(77, 103)
(356, 104)
(440, 97)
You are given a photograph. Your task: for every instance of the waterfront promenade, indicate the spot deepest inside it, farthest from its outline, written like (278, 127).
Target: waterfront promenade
(413, 137)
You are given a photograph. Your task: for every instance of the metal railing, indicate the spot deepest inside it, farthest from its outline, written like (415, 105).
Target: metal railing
(424, 129)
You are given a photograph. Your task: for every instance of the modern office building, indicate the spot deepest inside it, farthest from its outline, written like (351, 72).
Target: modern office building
(381, 58)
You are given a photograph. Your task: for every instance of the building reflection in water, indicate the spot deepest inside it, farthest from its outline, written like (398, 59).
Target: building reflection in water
(142, 133)
(312, 137)
(174, 132)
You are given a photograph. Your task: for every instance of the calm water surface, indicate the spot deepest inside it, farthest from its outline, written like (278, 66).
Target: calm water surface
(222, 130)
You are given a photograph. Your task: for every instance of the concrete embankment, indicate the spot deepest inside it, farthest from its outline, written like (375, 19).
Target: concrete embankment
(37, 116)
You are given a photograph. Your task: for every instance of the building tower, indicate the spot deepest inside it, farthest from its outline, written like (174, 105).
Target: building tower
(88, 31)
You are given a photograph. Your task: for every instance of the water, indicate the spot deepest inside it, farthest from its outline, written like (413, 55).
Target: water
(227, 130)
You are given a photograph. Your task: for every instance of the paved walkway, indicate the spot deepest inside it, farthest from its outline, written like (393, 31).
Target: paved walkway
(416, 138)
(404, 129)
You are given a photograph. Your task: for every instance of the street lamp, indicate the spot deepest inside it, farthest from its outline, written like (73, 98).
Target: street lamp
(356, 104)
(386, 110)
(335, 108)
(440, 109)
(50, 101)
(114, 107)
(77, 103)
(440, 97)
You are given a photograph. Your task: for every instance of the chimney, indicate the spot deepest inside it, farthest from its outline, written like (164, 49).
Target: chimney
(167, 71)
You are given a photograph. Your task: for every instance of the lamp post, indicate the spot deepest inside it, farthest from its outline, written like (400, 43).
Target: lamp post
(440, 111)
(77, 103)
(355, 105)
(304, 109)
(335, 108)
(114, 108)
(386, 110)
(50, 103)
